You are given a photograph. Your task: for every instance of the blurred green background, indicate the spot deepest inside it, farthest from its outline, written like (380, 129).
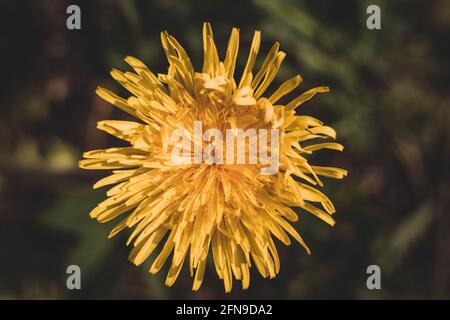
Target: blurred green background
(389, 104)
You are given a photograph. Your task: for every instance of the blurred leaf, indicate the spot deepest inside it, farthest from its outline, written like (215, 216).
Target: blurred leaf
(402, 240)
(71, 214)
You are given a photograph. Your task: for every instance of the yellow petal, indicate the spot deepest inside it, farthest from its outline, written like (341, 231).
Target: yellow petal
(232, 52)
(246, 78)
(285, 88)
(305, 97)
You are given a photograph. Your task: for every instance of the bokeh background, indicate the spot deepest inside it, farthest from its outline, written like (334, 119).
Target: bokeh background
(389, 104)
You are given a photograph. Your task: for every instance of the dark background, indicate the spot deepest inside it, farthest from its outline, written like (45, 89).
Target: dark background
(389, 104)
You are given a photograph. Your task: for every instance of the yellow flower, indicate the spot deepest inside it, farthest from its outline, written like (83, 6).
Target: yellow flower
(232, 208)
